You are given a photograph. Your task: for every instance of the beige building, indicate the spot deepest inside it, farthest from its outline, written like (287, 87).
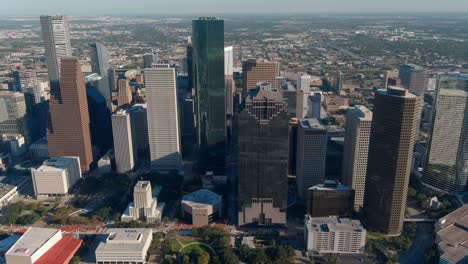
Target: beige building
(202, 207)
(124, 143)
(256, 71)
(335, 235)
(56, 176)
(124, 93)
(356, 150)
(144, 205)
(452, 237)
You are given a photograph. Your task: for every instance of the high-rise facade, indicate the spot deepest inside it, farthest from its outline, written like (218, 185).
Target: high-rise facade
(148, 60)
(163, 118)
(139, 122)
(394, 124)
(100, 65)
(303, 81)
(263, 159)
(256, 71)
(356, 150)
(69, 133)
(311, 155)
(208, 63)
(124, 94)
(56, 37)
(13, 116)
(446, 166)
(414, 78)
(228, 61)
(30, 85)
(124, 143)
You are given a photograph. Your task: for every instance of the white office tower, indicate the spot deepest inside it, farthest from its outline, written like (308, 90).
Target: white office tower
(325, 235)
(230, 87)
(56, 37)
(303, 81)
(124, 145)
(56, 176)
(144, 205)
(311, 155)
(163, 118)
(356, 150)
(228, 61)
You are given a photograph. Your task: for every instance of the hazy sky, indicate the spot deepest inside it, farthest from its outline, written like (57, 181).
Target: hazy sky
(204, 7)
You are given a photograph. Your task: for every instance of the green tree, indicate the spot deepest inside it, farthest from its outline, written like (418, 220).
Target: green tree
(75, 260)
(333, 260)
(103, 213)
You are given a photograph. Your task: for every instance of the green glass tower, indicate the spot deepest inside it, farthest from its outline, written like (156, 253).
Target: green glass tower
(208, 74)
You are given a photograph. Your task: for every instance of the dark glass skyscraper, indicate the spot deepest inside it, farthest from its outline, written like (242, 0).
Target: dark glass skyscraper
(263, 158)
(208, 67)
(100, 65)
(446, 168)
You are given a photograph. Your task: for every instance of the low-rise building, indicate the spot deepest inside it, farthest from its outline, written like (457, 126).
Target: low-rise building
(202, 207)
(56, 176)
(452, 237)
(330, 199)
(324, 235)
(144, 206)
(7, 192)
(124, 245)
(39, 150)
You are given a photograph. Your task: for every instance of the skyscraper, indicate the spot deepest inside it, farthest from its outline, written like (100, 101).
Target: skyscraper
(228, 61)
(100, 65)
(68, 133)
(311, 155)
(148, 60)
(163, 118)
(124, 94)
(303, 81)
(13, 117)
(208, 62)
(263, 159)
(190, 66)
(56, 37)
(256, 71)
(394, 124)
(124, 143)
(356, 150)
(413, 77)
(446, 168)
(139, 122)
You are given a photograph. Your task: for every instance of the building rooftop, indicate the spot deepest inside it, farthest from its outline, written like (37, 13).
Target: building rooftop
(330, 185)
(333, 224)
(61, 252)
(56, 164)
(362, 112)
(312, 124)
(453, 235)
(5, 188)
(202, 197)
(32, 240)
(396, 91)
(124, 239)
(142, 185)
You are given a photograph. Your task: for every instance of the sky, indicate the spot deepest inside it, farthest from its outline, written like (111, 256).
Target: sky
(214, 7)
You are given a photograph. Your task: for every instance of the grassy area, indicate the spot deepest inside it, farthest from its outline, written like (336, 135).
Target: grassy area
(192, 247)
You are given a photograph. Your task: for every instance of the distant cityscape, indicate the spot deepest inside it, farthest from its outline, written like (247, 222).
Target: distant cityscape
(236, 139)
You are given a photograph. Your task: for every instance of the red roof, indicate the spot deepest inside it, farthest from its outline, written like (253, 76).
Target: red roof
(61, 252)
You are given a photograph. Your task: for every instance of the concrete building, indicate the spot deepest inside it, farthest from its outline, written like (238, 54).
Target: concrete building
(311, 155)
(56, 176)
(144, 206)
(452, 237)
(163, 118)
(43, 246)
(447, 155)
(56, 37)
(414, 78)
(230, 85)
(13, 116)
(256, 71)
(39, 150)
(393, 74)
(30, 85)
(124, 93)
(7, 193)
(228, 61)
(394, 124)
(356, 150)
(330, 198)
(139, 123)
(303, 81)
(263, 159)
(334, 235)
(124, 142)
(69, 130)
(202, 207)
(125, 245)
(105, 162)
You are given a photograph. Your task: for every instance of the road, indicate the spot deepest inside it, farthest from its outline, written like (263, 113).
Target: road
(423, 242)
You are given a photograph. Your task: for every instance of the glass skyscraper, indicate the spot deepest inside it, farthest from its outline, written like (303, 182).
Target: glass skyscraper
(446, 168)
(208, 74)
(100, 65)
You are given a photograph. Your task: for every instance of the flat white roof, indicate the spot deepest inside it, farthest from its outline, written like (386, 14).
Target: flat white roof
(31, 241)
(124, 240)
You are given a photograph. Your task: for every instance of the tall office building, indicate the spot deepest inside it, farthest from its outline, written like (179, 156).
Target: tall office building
(69, 133)
(263, 159)
(190, 66)
(56, 37)
(256, 71)
(163, 118)
(303, 81)
(446, 168)
(228, 61)
(314, 105)
(124, 142)
(13, 116)
(100, 65)
(394, 124)
(30, 85)
(393, 74)
(413, 78)
(311, 155)
(208, 62)
(139, 122)
(356, 150)
(230, 90)
(148, 60)
(124, 97)
(100, 124)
